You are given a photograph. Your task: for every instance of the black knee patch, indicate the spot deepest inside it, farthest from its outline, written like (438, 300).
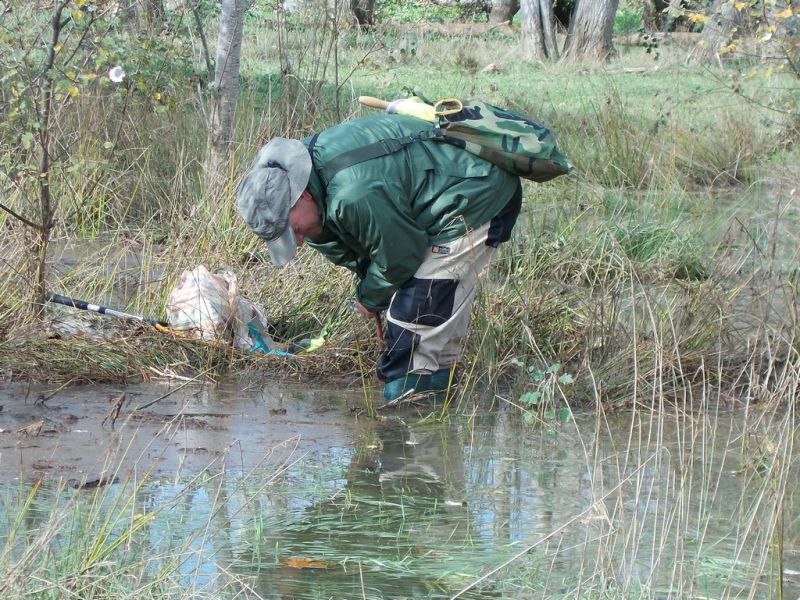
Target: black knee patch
(395, 361)
(424, 301)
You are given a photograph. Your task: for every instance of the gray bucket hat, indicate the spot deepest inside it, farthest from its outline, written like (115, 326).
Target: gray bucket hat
(271, 187)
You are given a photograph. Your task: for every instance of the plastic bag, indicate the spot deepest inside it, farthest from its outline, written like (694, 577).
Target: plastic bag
(207, 306)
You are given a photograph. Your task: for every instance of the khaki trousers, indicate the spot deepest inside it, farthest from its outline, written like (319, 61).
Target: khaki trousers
(428, 318)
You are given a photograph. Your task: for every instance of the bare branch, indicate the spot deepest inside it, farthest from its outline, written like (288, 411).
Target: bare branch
(19, 217)
(206, 55)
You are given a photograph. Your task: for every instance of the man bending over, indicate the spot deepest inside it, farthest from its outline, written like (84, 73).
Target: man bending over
(417, 225)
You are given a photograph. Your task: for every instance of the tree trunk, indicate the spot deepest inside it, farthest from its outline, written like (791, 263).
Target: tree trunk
(155, 14)
(47, 207)
(590, 29)
(717, 32)
(364, 11)
(224, 95)
(538, 36)
(503, 10)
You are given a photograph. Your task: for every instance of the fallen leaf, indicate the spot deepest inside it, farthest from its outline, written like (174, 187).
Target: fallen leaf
(32, 430)
(303, 563)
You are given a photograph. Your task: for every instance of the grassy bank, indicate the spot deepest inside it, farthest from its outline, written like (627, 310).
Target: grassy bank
(667, 260)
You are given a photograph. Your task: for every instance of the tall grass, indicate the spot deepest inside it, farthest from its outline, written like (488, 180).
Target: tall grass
(657, 216)
(662, 277)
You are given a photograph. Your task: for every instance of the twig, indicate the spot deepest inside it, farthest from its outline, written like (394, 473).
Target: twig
(209, 67)
(169, 393)
(113, 414)
(19, 217)
(49, 395)
(405, 398)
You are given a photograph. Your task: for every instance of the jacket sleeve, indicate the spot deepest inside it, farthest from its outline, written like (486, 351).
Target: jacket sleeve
(339, 253)
(395, 244)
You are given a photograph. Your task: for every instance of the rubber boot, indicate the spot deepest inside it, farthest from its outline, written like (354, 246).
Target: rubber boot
(439, 381)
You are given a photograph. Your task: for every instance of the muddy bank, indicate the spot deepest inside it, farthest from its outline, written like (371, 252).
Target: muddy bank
(92, 434)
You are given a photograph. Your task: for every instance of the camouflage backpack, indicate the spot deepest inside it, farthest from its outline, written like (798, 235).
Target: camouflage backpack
(509, 140)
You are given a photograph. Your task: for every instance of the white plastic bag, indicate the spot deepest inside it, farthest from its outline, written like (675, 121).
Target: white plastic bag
(207, 306)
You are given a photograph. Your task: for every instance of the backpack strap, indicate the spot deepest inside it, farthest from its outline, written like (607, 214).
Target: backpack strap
(370, 151)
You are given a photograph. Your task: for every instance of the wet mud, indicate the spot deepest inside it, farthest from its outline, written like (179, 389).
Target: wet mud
(91, 435)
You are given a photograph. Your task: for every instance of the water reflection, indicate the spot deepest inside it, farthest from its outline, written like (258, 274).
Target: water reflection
(399, 525)
(319, 504)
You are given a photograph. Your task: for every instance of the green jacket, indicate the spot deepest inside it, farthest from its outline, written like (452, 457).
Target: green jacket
(381, 216)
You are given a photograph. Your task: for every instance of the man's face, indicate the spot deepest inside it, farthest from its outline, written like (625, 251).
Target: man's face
(304, 218)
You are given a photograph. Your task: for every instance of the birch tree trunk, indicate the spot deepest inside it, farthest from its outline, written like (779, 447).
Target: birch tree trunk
(224, 95)
(590, 30)
(538, 35)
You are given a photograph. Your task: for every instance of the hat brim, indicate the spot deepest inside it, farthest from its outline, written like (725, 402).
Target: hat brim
(282, 249)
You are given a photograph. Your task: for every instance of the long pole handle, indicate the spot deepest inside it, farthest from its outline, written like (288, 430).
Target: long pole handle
(373, 102)
(103, 310)
(379, 331)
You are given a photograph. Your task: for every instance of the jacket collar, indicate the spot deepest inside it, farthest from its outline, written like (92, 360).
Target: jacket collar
(315, 185)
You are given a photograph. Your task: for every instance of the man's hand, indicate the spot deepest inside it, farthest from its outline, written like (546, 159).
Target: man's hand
(362, 310)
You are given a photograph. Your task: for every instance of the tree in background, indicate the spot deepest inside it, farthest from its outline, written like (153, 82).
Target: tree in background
(779, 34)
(41, 82)
(503, 10)
(224, 95)
(84, 96)
(589, 36)
(590, 30)
(718, 30)
(538, 30)
(764, 30)
(364, 11)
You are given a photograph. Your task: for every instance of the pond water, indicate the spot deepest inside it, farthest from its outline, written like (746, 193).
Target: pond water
(289, 493)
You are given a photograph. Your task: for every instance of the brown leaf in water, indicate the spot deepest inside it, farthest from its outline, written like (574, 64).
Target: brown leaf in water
(303, 563)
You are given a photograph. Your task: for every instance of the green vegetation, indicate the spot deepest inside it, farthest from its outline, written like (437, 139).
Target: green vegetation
(627, 20)
(662, 276)
(673, 246)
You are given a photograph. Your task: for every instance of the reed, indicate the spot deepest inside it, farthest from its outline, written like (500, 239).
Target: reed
(676, 223)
